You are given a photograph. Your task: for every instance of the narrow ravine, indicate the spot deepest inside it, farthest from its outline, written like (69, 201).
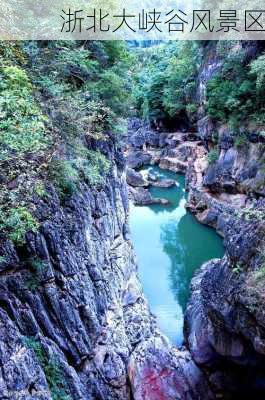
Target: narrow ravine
(170, 245)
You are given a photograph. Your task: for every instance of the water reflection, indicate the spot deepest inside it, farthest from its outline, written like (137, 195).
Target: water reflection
(170, 244)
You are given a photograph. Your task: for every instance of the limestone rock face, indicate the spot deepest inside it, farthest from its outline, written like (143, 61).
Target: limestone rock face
(142, 197)
(135, 179)
(159, 371)
(138, 159)
(223, 323)
(84, 311)
(76, 326)
(238, 170)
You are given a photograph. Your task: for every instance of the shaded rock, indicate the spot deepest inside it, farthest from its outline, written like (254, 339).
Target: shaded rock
(138, 159)
(205, 128)
(237, 170)
(173, 164)
(135, 179)
(164, 183)
(140, 134)
(152, 177)
(143, 197)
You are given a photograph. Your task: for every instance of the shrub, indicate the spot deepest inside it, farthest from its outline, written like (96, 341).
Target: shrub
(236, 93)
(37, 264)
(114, 90)
(191, 108)
(99, 119)
(241, 140)
(212, 156)
(237, 269)
(51, 368)
(85, 164)
(64, 175)
(40, 190)
(17, 222)
(92, 165)
(34, 280)
(21, 122)
(76, 64)
(257, 68)
(221, 97)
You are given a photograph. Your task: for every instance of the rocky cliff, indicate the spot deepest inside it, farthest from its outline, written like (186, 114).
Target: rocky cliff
(71, 306)
(68, 329)
(224, 322)
(74, 321)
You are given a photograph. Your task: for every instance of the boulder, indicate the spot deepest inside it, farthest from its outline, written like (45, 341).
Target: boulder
(138, 159)
(173, 164)
(142, 197)
(135, 179)
(158, 371)
(164, 183)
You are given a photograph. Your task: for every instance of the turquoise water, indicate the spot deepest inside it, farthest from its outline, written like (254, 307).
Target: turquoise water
(170, 245)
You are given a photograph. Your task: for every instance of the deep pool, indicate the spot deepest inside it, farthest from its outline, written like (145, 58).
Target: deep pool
(170, 245)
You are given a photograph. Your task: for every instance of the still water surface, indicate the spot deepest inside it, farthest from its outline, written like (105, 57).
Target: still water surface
(170, 245)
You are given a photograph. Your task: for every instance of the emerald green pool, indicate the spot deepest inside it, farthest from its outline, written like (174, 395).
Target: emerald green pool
(170, 245)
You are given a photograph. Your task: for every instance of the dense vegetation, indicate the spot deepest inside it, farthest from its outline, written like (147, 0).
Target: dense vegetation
(236, 93)
(166, 82)
(57, 99)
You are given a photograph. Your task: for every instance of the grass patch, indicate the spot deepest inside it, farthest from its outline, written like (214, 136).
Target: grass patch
(21, 121)
(85, 165)
(212, 156)
(17, 222)
(241, 140)
(34, 281)
(51, 368)
(40, 190)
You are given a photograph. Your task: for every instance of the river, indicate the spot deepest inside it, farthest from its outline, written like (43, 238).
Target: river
(170, 245)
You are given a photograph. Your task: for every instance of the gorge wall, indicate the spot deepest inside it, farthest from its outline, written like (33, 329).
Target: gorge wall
(224, 326)
(224, 322)
(80, 327)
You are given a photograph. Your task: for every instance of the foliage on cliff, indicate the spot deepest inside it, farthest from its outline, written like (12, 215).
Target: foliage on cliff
(58, 102)
(166, 84)
(236, 93)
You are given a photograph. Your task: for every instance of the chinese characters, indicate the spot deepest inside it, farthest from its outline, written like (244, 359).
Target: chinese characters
(171, 21)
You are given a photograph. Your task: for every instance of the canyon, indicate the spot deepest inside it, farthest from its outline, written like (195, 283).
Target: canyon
(77, 324)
